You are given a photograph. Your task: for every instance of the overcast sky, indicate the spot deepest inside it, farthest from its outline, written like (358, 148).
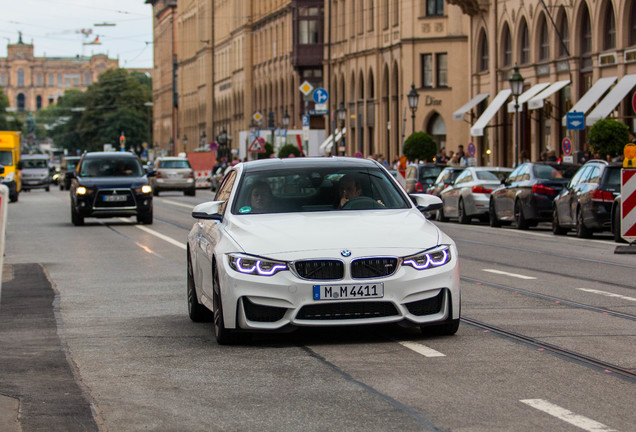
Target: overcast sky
(54, 28)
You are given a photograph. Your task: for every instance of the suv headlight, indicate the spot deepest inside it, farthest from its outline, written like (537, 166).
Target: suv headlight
(9, 177)
(256, 266)
(435, 257)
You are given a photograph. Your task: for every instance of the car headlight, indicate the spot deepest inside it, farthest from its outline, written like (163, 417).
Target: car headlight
(9, 177)
(436, 257)
(257, 266)
(146, 189)
(81, 190)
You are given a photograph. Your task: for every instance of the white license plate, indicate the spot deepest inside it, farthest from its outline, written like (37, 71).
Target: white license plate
(115, 198)
(348, 292)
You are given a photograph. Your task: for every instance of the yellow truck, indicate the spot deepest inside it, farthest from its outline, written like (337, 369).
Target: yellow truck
(10, 159)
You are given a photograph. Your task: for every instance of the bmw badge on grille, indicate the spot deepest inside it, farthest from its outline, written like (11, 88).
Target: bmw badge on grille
(345, 253)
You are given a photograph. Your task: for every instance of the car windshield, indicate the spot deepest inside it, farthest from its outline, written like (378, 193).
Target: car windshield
(6, 158)
(487, 175)
(111, 167)
(428, 174)
(613, 177)
(314, 189)
(34, 163)
(556, 172)
(71, 163)
(174, 164)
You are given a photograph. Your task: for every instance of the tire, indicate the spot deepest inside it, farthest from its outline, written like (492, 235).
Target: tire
(76, 218)
(492, 215)
(223, 336)
(440, 215)
(190, 192)
(48, 189)
(616, 226)
(446, 328)
(145, 218)
(61, 187)
(196, 311)
(14, 197)
(520, 219)
(556, 228)
(581, 230)
(155, 192)
(462, 217)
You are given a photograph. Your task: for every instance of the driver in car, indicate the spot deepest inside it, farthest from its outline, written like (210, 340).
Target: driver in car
(348, 188)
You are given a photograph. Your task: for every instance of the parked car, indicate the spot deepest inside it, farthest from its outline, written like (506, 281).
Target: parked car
(420, 176)
(67, 168)
(446, 177)
(616, 220)
(216, 177)
(173, 174)
(526, 196)
(469, 195)
(110, 184)
(253, 265)
(585, 204)
(36, 172)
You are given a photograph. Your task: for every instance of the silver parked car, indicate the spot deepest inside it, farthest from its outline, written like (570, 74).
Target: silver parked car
(35, 172)
(173, 174)
(469, 196)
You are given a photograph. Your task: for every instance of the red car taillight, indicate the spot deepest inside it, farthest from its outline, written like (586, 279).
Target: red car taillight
(419, 187)
(543, 190)
(159, 174)
(481, 189)
(601, 196)
(191, 175)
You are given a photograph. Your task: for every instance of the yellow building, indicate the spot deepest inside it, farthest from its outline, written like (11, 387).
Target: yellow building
(31, 83)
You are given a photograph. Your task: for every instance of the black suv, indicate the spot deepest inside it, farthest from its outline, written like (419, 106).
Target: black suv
(585, 204)
(110, 184)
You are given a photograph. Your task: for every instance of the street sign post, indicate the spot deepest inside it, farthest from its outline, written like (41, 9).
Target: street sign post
(320, 95)
(306, 88)
(575, 120)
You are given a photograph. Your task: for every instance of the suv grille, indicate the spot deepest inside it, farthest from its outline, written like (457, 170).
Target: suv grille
(347, 311)
(373, 267)
(105, 198)
(320, 269)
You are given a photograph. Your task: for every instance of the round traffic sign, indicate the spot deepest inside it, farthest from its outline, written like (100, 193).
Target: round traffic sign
(471, 149)
(566, 145)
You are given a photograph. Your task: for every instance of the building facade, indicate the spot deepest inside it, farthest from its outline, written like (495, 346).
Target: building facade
(570, 55)
(31, 83)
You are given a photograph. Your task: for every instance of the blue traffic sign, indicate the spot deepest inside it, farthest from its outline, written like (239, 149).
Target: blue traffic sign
(305, 120)
(575, 120)
(321, 95)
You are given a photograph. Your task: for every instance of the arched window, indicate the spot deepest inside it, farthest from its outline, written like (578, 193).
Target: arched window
(524, 44)
(609, 24)
(38, 102)
(20, 77)
(483, 53)
(20, 102)
(436, 128)
(506, 44)
(632, 25)
(564, 31)
(544, 41)
(586, 32)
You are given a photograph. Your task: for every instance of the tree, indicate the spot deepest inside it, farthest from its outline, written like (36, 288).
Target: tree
(4, 104)
(421, 146)
(62, 120)
(269, 150)
(608, 137)
(287, 150)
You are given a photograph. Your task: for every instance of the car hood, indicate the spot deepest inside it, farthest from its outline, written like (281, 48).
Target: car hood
(113, 182)
(295, 235)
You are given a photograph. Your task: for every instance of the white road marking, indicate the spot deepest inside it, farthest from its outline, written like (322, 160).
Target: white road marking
(608, 294)
(178, 204)
(158, 235)
(509, 274)
(422, 349)
(567, 416)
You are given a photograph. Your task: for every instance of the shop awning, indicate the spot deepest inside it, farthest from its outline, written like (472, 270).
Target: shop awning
(593, 94)
(537, 101)
(526, 96)
(489, 113)
(613, 98)
(327, 144)
(459, 114)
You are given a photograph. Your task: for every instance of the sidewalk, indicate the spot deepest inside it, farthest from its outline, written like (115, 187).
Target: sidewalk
(38, 391)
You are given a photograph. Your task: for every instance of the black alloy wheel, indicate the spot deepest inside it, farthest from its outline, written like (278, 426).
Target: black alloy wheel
(145, 218)
(556, 228)
(581, 230)
(520, 219)
(462, 217)
(492, 215)
(196, 311)
(76, 218)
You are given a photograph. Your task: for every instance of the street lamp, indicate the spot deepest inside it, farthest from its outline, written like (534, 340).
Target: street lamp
(222, 139)
(341, 111)
(185, 143)
(286, 120)
(516, 86)
(413, 98)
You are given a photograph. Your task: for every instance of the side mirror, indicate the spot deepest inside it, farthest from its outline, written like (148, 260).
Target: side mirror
(425, 202)
(20, 165)
(1, 169)
(208, 211)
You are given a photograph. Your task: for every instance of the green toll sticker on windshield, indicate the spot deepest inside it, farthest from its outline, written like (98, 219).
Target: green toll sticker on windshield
(245, 209)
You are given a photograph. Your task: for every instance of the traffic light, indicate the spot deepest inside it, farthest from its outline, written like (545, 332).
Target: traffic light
(122, 140)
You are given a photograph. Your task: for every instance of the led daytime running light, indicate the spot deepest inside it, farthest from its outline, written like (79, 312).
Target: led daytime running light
(418, 264)
(257, 268)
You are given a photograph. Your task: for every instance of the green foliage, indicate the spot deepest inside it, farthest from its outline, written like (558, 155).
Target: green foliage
(269, 150)
(420, 146)
(288, 149)
(4, 104)
(608, 137)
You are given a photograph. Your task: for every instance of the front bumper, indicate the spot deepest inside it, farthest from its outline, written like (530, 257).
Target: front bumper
(174, 184)
(411, 297)
(92, 204)
(35, 183)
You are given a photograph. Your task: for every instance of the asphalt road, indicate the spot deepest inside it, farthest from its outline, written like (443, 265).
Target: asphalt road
(547, 341)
